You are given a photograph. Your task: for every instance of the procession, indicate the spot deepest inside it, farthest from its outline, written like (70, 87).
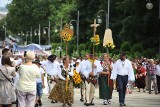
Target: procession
(85, 62)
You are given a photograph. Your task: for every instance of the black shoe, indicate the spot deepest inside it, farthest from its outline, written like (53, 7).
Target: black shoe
(121, 104)
(15, 102)
(69, 104)
(82, 100)
(53, 101)
(87, 104)
(109, 101)
(105, 103)
(36, 105)
(39, 102)
(92, 103)
(124, 104)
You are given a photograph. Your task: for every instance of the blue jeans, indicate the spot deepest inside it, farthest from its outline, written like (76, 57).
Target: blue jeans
(39, 89)
(122, 84)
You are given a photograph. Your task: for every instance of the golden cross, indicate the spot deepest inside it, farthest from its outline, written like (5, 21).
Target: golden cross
(94, 25)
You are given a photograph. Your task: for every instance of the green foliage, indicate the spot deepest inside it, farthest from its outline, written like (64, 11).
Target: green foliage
(129, 21)
(137, 47)
(82, 47)
(125, 46)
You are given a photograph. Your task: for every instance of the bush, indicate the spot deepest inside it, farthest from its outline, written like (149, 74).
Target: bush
(137, 48)
(125, 46)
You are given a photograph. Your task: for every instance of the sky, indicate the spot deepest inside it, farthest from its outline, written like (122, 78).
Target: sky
(3, 3)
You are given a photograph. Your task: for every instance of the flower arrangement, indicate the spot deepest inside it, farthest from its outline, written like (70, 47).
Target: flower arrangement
(76, 77)
(110, 45)
(66, 34)
(95, 40)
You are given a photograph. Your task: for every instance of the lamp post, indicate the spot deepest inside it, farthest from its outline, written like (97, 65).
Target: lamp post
(5, 30)
(38, 32)
(28, 33)
(21, 34)
(56, 30)
(44, 32)
(99, 20)
(77, 28)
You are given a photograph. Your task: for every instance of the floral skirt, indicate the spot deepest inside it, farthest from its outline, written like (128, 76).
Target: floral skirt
(60, 94)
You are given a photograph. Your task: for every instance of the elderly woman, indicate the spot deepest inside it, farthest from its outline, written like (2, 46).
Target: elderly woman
(26, 86)
(7, 92)
(63, 90)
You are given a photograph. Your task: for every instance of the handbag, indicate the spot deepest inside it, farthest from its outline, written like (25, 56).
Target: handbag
(7, 78)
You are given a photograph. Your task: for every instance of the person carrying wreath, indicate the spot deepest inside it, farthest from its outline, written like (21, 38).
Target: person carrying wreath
(63, 90)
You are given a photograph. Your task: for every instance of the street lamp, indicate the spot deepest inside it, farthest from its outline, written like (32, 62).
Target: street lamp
(149, 5)
(44, 32)
(5, 29)
(38, 32)
(56, 30)
(77, 28)
(21, 34)
(28, 33)
(99, 20)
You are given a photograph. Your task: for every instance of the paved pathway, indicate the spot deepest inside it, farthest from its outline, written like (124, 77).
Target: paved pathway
(136, 99)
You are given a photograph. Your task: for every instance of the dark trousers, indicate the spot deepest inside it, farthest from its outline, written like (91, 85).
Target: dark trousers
(158, 83)
(122, 83)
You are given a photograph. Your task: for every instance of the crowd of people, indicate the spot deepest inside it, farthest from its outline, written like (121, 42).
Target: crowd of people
(24, 78)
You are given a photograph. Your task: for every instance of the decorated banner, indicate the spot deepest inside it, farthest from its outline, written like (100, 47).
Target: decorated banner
(66, 34)
(108, 40)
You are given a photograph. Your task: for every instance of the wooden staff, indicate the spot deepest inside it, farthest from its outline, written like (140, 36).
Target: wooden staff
(66, 80)
(108, 67)
(94, 25)
(66, 48)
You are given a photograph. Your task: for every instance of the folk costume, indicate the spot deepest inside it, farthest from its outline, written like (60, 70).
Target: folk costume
(52, 68)
(90, 81)
(79, 69)
(63, 91)
(140, 77)
(105, 84)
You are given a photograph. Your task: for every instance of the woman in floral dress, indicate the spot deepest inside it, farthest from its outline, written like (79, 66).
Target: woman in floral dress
(63, 90)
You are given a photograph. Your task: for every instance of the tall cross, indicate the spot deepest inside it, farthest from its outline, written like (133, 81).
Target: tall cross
(94, 25)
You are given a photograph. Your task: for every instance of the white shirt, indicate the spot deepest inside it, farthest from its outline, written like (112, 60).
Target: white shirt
(80, 66)
(69, 73)
(87, 68)
(123, 68)
(51, 68)
(158, 70)
(39, 80)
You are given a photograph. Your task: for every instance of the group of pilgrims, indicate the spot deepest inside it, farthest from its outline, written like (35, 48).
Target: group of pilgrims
(33, 75)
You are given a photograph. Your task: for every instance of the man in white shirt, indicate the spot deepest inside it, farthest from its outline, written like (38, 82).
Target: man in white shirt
(79, 69)
(123, 72)
(90, 70)
(52, 68)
